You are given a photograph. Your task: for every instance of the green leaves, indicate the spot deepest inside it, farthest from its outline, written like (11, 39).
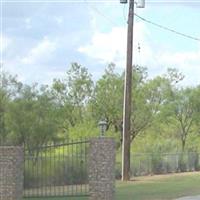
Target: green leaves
(107, 101)
(31, 117)
(71, 107)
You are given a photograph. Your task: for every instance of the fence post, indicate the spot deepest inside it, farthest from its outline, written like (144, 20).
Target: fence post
(11, 173)
(102, 168)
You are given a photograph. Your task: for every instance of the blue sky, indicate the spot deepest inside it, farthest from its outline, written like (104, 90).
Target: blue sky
(41, 38)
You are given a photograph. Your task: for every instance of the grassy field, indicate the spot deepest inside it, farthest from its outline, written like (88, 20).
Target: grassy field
(162, 187)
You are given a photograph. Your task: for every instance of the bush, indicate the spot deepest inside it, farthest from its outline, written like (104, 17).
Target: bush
(46, 172)
(196, 163)
(157, 164)
(182, 163)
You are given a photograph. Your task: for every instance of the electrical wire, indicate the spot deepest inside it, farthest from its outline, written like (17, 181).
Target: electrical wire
(101, 13)
(167, 29)
(145, 20)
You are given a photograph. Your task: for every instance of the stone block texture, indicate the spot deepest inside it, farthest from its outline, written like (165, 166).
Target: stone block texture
(102, 169)
(11, 173)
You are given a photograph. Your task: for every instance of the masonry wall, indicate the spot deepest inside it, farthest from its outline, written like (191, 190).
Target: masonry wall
(11, 173)
(102, 169)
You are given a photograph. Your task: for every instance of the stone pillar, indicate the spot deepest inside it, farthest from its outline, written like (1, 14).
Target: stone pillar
(102, 169)
(11, 173)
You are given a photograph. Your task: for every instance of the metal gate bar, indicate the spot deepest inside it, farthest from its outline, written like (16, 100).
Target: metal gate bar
(54, 170)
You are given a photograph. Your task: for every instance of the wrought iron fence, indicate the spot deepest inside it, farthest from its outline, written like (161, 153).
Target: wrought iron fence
(163, 163)
(143, 164)
(56, 170)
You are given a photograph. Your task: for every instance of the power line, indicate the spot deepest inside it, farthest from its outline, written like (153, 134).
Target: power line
(167, 29)
(146, 20)
(101, 13)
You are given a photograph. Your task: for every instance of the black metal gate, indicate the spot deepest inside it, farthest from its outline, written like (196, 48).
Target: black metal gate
(54, 170)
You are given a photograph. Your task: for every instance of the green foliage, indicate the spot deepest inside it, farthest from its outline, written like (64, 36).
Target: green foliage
(71, 96)
(107, 101)
(85, 129)
(163, 114)
(30, 118)
(9, 88)
(69, 171)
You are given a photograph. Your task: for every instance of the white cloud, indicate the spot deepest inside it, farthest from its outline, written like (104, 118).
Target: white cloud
(187, 62)
(41, 52)
(4, 43)
(180, 58)
(111, 46)
(28, 23)
(106, 46)
(59, 20)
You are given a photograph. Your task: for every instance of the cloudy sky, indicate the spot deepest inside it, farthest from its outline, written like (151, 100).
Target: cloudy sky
(40, 38)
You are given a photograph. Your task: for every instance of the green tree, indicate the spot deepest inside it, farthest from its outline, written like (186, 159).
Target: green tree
(31, 117)
(9, 88)
(183, 112)
(107, 101)
(71, 96)
(150, 97)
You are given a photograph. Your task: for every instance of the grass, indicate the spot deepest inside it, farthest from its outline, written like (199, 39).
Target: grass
(55, 191)
(162, 187)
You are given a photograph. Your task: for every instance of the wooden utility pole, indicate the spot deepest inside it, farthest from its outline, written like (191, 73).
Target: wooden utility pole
(127, 98)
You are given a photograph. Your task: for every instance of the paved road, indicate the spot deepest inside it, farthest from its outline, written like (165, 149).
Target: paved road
(190, 198)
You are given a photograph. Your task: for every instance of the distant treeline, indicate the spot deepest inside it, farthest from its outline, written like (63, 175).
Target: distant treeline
(165, 116)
